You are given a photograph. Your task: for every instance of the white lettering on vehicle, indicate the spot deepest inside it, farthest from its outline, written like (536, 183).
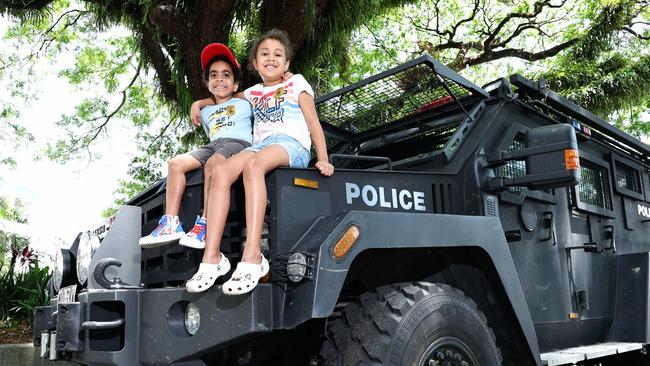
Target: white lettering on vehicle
(643, 210)
(371, 196)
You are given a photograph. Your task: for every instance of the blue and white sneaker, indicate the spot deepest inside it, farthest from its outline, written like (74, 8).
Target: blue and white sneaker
(168, 231)
(196, 237)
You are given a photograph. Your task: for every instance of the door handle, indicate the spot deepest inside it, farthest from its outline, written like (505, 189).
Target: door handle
(612, 236)
(549, 221)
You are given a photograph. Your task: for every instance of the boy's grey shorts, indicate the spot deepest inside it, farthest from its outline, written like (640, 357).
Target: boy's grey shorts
(223, 146)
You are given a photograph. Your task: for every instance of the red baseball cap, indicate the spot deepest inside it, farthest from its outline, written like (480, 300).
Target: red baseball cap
(217, 49)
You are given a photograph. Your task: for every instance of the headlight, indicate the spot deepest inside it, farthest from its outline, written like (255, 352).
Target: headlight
(88, 244)
(192, 319)
(64, 270)
(58, 270)
(296, 267)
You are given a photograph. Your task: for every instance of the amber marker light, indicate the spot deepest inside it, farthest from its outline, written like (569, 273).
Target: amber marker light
(571, 159)
(343, 246)
(573, 315)
(300, 182)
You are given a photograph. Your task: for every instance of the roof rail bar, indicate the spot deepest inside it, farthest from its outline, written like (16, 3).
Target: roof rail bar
(540, 90)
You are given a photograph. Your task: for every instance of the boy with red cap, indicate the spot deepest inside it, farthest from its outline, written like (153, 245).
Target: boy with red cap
(228, 124)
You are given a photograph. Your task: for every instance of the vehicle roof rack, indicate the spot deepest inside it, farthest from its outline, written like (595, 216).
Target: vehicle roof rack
(540, 90)
(419, 85)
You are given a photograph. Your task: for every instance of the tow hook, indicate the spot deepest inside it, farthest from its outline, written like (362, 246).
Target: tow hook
(100, 275)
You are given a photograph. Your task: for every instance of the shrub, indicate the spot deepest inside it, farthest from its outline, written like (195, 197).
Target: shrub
(22, 292)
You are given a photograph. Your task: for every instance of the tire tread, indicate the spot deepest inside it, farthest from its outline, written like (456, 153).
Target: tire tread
(363, 335)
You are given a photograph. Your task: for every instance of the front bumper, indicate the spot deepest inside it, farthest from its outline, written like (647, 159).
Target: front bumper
(146, 326)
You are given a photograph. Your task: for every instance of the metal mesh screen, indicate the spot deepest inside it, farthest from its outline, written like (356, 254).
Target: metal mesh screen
(514, 168)
(517, 168)
(592, 189)
(627, 177)
(388, 99)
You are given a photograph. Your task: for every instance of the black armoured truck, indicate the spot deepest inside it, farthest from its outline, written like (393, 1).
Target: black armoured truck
(464, 225)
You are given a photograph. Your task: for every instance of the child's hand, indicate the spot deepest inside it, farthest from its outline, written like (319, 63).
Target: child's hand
(287, 75)
(195, 113)
(325, 168)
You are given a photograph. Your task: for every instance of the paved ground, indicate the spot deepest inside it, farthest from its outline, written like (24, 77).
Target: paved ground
(24, 354)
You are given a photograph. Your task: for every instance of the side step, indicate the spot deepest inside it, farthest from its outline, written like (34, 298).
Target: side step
(573, 355)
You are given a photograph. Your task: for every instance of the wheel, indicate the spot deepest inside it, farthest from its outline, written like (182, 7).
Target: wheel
(411, 324)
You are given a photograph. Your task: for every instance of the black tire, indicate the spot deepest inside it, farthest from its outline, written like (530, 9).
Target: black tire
(410, 324)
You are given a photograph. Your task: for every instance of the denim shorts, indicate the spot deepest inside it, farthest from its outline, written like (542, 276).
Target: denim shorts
(298, 155)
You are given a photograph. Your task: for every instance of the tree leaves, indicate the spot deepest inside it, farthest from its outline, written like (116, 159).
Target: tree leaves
(594, 52)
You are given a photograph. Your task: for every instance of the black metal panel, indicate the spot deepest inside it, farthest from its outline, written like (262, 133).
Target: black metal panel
(555, 336)
(316, 299)
(223, 320)
(295, 208)
(109, 339)
(44, 320)
(632, 317)
(70, 316)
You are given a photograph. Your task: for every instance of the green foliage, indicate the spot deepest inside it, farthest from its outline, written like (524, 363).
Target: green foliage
(13, 136)
(22, 292)
(603, 67)
(330, 38)
(11, 245)
(11, 212)
(608, 70)
(144, 169)
(605, 70)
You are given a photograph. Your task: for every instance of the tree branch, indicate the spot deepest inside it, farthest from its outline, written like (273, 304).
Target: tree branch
(166, 18)
(518, 53)
(96, 130)
(160, 62)
(537, 9)
(638, 35)
(45, 41)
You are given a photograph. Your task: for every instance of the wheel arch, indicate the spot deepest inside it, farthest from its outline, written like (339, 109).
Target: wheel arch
(428, 247)
(468, 269)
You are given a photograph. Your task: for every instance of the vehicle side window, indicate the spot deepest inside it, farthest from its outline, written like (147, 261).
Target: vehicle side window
(627, 177)
(593, 193)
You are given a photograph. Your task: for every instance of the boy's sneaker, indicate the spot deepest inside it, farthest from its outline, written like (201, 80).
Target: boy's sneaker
(168, 231)
(196, 237)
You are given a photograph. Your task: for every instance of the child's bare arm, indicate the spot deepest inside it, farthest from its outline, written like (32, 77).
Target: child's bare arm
(308, 109)
(195, 110)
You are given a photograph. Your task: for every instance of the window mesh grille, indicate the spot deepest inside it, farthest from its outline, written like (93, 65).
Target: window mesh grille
(627, 177)
(517, 168)
(514, 168)
(592, 188)
(388, 99)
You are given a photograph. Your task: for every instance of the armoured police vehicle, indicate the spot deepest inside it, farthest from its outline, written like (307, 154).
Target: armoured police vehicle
(464, 225)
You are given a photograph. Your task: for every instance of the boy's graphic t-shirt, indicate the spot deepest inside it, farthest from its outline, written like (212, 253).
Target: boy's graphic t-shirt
(276, 110)
(232, 119)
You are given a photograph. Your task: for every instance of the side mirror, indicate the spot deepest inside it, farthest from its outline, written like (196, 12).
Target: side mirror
(551, 157)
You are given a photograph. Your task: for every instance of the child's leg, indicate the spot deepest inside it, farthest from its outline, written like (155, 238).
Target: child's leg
(254, 173)
(223, 175)
(207, 172)
(169, 228)
(178, 166)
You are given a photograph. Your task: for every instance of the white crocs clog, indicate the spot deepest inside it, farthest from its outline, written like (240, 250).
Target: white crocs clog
(207, 274)
(245, 277)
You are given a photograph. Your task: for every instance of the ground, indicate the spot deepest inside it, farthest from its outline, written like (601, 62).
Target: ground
(22, 333)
